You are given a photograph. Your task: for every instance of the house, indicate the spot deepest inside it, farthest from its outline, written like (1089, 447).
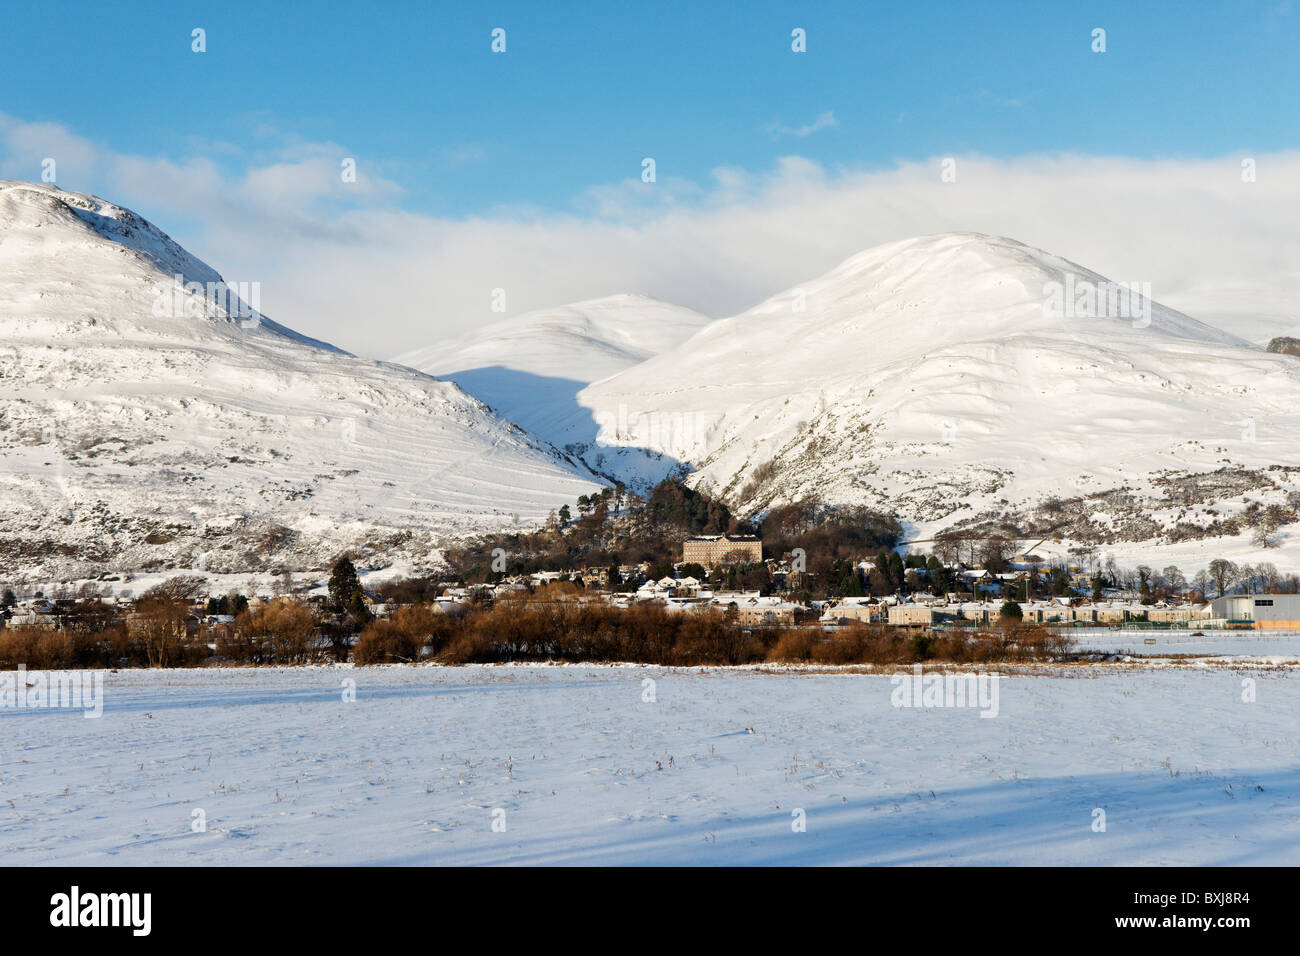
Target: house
(40, 614)
(853, 609)
(912, 615)
(1108, 612)
(594, 577)
(1046, 612)
(977, 612)
(1176, 613)
(980, 579)
(454, 606)
(654, 590)
(770, 612)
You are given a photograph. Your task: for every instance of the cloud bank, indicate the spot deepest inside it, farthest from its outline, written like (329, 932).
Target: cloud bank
(345, 262)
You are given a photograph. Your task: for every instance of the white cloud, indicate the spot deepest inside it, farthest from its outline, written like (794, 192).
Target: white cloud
(348, 266)
(825, 120)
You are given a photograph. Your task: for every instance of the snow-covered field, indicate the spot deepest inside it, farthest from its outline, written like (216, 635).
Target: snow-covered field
(588, 764)
(1280, 645)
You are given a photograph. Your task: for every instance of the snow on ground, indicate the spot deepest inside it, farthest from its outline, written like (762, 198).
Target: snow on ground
(587, 771)
(1283, 645)
(253, 583)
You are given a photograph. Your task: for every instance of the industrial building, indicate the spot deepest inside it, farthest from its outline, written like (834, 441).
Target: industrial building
(1264, 612)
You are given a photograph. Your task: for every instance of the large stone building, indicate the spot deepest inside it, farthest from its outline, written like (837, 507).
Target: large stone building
(1263, 612)
(713, 549)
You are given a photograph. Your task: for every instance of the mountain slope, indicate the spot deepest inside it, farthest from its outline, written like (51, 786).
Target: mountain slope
(530, 368)
(144, 425)
(928, 378)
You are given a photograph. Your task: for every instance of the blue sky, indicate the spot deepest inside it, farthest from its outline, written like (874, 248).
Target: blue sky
(521, 170)
(585, 90)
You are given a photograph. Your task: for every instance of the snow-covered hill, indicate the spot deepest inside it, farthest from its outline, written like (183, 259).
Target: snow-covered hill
(958, 379)
(144, 424)
(531, 367)
(953, 380)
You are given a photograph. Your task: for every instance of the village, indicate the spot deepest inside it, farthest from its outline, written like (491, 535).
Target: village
(727, 575)
(980, 600)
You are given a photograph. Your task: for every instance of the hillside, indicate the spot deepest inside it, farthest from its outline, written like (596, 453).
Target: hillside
(530, 368)
(926, 378)
(144, 425)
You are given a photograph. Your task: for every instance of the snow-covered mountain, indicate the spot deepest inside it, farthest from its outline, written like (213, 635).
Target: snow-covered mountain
(146, 422)
(953, 380)
(530, 368)
(962, 379)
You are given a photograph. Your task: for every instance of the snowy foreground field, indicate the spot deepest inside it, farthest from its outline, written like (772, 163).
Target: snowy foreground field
(579, 767)
(1277, 645)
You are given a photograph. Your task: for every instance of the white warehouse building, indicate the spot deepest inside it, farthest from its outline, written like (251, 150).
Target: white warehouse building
(1267, 612)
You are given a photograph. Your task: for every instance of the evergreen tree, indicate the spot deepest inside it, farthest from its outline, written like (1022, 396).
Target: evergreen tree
(1145, 587)
(346, 594)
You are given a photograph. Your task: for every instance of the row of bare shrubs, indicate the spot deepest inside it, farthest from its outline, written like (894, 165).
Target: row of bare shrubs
(569, 631)
(162, 634)
(286, 632)
(863, 644)
(42, 649)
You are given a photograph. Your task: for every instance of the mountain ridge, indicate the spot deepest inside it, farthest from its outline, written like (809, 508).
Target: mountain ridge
(145, 437)
(937, 379)
(531, 368)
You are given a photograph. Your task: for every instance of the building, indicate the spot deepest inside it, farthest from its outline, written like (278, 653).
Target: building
(769, 612)
(655, 590)
(852, 613)
(595, 577)
(1176, 613)
(1263, 612)
(912, 615)
(715, 549)
(851, 609)
(1046, 612)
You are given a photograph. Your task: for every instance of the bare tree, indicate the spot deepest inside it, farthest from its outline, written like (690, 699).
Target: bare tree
(1201, 582)
(1246, 579)
(1174, 579)
(1222, 572)
(947, 547)
(160, 625)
